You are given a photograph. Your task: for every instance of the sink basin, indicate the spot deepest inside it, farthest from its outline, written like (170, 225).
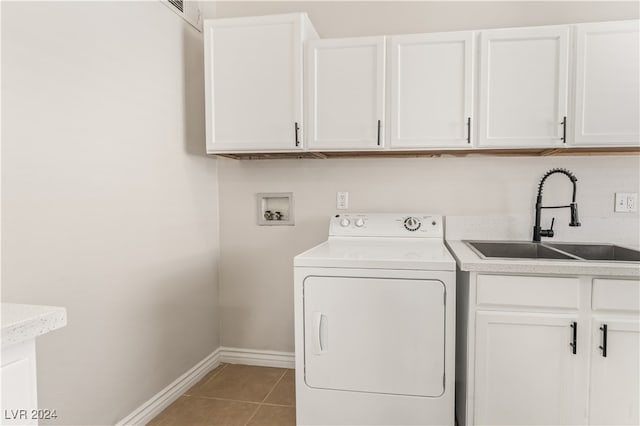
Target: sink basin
(516, 250)
(560, 251)
(598, 251)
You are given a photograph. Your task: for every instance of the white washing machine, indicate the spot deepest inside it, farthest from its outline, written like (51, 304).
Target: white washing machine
(375, 323)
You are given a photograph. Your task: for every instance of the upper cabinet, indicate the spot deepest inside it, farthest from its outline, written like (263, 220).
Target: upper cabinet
(607, 107)
(272, 86)
(253, 82)
(345, 88)
(431, 82)
(523, 87)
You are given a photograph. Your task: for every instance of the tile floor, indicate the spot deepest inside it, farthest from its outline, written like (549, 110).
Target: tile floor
(236, 395)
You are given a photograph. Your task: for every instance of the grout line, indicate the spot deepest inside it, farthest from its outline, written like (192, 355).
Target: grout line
(240, 400)
(252, 415)
(207, 381)
(226, 399)
(267, 396)
(271, 404)
(274, 386)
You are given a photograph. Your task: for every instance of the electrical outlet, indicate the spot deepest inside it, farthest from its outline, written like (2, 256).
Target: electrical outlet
(342, 200)
(626, 202)
(632, 202)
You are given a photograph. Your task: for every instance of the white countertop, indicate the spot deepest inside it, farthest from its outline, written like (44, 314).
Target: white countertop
(23, 322)
(468, 260)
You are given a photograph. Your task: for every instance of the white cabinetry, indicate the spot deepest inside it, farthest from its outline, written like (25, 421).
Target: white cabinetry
(614, 374)
(532, 350)
(614, 370)
(607, 82)
(431, 90)
(550, 87)
(19, 386)
(523, 87)
(346, 93)
(253, 82)
(21, 325)
(525, 369)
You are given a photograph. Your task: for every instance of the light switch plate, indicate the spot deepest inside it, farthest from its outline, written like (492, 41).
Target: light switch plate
(342, 200)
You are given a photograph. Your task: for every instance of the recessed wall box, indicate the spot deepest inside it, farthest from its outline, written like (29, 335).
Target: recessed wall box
(275, 208)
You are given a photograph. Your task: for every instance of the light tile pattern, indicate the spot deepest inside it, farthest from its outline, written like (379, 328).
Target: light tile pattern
(234, 394)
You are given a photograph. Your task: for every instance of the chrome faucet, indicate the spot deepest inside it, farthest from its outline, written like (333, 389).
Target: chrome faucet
(537, 230)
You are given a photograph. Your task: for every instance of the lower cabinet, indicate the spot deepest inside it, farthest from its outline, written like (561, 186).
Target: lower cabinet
(614, 371)
(19, 386)
(574, 359)
(525, 368)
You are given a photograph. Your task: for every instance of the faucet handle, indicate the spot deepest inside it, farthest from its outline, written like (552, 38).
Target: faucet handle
(548, 232)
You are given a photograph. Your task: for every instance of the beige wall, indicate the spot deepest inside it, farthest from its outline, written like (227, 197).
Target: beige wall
(109, 206)
(256, 288)
(256, 269)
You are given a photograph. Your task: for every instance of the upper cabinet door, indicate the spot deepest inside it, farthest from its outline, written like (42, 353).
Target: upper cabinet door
(523, 87)
(431, 90)
(253, 77)
(607, 108)
(346, 93)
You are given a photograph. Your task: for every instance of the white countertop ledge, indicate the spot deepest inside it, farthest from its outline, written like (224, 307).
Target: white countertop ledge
(468, 260)
(23, 322)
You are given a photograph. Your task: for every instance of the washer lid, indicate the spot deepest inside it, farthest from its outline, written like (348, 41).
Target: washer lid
(379, 253)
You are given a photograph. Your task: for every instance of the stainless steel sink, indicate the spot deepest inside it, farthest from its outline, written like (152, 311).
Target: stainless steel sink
(598, 251)
(558, 251)
(515, 250)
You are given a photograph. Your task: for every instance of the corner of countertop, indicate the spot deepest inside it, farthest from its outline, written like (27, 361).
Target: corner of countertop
(22, 322)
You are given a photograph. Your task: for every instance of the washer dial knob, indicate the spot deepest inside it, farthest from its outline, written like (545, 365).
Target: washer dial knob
(359, 222)
(412, 224)
(344, 222)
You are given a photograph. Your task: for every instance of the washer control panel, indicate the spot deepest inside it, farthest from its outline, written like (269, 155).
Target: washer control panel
(412, 224)
(387, 225)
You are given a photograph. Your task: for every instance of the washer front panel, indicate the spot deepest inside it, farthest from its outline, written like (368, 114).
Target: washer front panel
(377, 335)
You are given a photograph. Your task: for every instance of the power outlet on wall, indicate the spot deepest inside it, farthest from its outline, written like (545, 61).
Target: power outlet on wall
(342, 200)
(626, 202)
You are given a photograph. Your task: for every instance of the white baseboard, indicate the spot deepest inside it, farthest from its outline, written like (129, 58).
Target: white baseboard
(154, 406)
(257, 357)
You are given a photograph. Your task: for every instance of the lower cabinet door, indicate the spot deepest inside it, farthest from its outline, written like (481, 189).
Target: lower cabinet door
(526, 371)
(614, 395)
(19, 386)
